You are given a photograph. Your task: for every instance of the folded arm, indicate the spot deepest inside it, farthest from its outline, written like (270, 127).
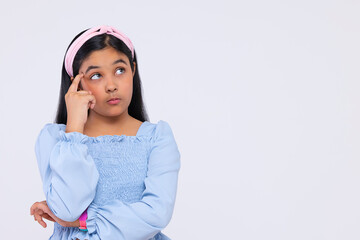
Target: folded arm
(68, 172)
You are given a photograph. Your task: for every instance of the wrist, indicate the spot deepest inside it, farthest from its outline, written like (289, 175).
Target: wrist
(77, 223)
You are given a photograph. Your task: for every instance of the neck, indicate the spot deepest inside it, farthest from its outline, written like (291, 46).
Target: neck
(104, 124)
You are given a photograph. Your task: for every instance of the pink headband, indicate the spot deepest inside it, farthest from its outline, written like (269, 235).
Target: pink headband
(75, 46)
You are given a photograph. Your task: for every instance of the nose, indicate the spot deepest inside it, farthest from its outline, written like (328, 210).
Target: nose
(111, 85)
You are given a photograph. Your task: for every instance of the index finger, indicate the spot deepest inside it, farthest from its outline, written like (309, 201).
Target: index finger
(33, 207)
(75, 83)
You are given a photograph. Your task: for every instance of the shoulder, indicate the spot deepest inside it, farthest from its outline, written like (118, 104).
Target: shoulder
(164, 148)
(52, 128)
(162, 137)
(48, 136)
(54, 132)
(156, 130)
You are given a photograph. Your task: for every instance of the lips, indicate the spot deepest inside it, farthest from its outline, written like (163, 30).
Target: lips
(113, 99)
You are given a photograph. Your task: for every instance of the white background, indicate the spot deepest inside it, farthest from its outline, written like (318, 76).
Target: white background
(262, 97)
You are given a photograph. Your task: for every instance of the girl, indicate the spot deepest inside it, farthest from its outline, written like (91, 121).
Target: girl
(107, 172)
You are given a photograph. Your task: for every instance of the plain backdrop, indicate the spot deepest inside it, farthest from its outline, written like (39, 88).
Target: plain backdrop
(262, 97)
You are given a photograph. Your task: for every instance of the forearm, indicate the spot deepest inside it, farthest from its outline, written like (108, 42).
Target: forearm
(68, 172)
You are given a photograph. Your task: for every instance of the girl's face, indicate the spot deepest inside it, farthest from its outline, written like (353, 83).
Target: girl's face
(108, 74)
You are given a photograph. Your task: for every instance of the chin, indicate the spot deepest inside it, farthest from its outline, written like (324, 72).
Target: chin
(113, 113)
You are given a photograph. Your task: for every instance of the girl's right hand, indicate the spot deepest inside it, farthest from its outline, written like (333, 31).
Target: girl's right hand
(41, 210)
(77, 105)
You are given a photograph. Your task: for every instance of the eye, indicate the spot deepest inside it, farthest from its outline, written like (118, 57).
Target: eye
(95, 76)
(120, 71)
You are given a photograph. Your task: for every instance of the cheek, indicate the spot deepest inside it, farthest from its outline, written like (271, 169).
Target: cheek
(129, 89)
(129, 85)
(94, 88)
(126, 87)
(94, 92)
(131, 80)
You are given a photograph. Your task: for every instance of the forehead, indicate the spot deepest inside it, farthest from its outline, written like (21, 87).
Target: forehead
(103, 57)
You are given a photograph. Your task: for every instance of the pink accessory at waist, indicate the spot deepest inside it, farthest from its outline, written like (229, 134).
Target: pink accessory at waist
(76, 45)
(82, 220)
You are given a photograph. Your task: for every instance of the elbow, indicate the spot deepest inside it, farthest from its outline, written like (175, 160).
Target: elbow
(162, 220)
(68, 217)
(62, 211)
(162, 223)
(68, 212)
(70, 205)
(161, 215)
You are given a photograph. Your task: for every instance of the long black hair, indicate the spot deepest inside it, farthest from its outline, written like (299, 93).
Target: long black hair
(136, 108)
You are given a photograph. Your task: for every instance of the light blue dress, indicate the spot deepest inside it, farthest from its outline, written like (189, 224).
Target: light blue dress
(127, 183)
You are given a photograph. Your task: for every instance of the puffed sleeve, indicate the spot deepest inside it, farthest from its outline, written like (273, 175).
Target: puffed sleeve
(145, 218)
(68, 172)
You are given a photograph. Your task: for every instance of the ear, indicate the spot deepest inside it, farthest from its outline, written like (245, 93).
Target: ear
(134, 68)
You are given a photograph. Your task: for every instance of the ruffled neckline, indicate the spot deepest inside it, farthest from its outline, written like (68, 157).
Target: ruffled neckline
(102, 138)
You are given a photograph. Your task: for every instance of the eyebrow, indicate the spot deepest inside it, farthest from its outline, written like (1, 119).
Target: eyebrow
(93, 67)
